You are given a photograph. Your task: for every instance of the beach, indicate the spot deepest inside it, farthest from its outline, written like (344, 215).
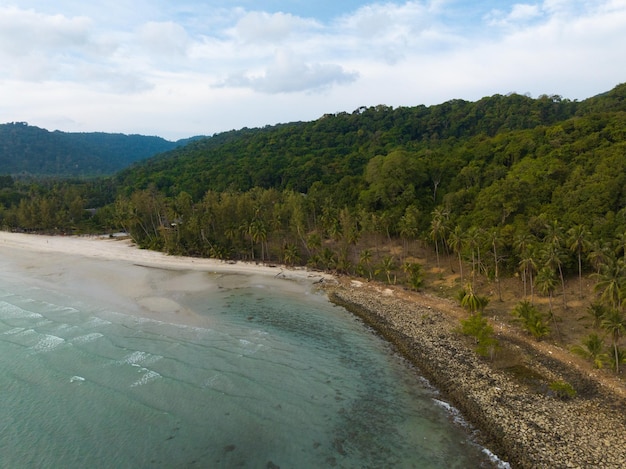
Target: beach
(140, 281)
(517, 417)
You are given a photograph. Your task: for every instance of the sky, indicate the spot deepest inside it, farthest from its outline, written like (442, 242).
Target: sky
(181, 68)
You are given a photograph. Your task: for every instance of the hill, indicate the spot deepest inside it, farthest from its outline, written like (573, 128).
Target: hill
(31, 151)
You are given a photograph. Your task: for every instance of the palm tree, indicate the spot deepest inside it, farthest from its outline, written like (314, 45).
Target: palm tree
(437, 230)
(455, 240)
(592, 349)
(471, 301)
(546, 282)
(365, 261)
(290, 254)
(614, 322)
(495, 239)
(413, 272)
(553, 259)
(553, 255)
(529, 266)
(620, 244)
(599, 255)
(524, 245)
(472, 241)
(387, 265)
(611, 281)
(578, 243)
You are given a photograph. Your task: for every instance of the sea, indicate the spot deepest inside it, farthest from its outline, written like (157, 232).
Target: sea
(277, 379)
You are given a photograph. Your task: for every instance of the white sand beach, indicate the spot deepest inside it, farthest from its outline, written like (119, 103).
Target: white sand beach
(136, 281)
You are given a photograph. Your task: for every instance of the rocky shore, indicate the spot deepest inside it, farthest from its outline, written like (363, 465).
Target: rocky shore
(508, 399)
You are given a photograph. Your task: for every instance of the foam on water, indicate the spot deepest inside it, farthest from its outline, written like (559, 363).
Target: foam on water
(274, 380)
(148, 377)
(48, 343)
(11, 311)
(84, 339)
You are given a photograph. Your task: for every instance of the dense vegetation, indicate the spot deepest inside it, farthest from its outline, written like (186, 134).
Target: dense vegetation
(508, 185)
(30, 151)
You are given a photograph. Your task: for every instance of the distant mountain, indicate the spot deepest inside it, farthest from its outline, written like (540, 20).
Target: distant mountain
(27, 150)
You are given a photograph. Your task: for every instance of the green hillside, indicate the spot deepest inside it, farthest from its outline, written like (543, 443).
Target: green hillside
(31, 151)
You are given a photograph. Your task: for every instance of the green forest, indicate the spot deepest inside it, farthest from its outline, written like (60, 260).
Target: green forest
(27, 150)
(507, 187)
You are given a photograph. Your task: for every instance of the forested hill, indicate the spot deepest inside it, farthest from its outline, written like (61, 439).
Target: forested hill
(32, 151)
(441, 139)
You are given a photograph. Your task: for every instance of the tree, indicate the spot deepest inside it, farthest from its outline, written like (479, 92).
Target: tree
(592, 348)
(528, 265)
(365, 262)
(414, 274)
(471, 301)
(578, 240)
(611, 281)
(614, 323)
(546, 283)
(437, 229)
(553, 260)
(455, 240)
(478, 327)
(531, 319)
(387, 265)
(495, 239)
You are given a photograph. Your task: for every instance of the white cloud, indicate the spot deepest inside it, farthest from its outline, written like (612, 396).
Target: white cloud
(164, 38)
(24, 32)
(288, 74)
(520, 13)
(255, 27)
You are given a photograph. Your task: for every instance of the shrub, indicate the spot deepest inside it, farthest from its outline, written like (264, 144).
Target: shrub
(532, 320)
(476, 326)
(562, 390)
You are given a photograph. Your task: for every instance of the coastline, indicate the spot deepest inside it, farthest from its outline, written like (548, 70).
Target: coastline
(140, 282)
(523, 425)
(517, 420)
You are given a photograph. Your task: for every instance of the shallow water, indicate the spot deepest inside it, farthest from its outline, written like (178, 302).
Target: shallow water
(278, 379)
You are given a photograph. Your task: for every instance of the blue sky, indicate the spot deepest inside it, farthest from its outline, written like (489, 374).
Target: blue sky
(188, 67)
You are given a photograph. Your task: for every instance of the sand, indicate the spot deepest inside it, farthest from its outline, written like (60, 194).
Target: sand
(114, 272)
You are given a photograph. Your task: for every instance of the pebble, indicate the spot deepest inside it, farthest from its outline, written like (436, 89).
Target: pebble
(527, 428)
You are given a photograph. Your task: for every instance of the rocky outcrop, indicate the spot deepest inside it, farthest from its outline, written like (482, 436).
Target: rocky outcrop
(518, 417)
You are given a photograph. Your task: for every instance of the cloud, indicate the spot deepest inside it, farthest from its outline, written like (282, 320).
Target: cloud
(23, 32)
(255, 27)
(520, 13)
(164, 38)
(288, 74)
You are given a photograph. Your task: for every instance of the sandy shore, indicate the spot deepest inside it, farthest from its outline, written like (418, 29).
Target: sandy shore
(516, 414)
(115, 273)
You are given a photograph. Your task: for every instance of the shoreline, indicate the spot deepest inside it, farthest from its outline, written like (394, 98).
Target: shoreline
(119, 276)
(521, 423)
(122, 249)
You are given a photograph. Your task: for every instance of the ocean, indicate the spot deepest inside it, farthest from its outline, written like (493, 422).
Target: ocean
(273, 378)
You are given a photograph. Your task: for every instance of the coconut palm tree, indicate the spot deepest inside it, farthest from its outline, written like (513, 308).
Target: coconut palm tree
(578, 241)
(546, 283)
(365, 261)
(495, 239)
(611, 281)
(528, 265)
(553, 259)
(614, 323)
(592, 348)
(456, 242)
(437, 230)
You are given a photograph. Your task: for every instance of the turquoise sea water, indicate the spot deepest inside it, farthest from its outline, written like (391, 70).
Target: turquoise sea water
(278, 379)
